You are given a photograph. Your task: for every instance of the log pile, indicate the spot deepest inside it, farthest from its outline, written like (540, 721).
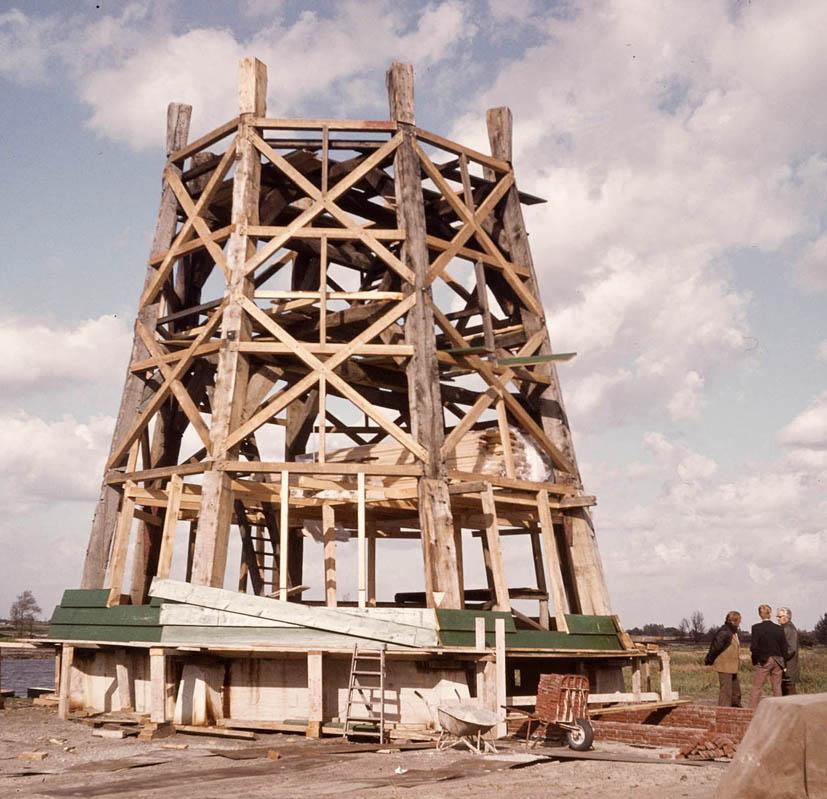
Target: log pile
(712, 746)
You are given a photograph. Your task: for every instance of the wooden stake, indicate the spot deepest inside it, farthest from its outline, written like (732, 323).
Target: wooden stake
(494, 550)
(174, 491)
(157, 686)
(315, 694)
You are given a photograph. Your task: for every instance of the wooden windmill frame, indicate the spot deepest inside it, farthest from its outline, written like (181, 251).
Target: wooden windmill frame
(437, 350)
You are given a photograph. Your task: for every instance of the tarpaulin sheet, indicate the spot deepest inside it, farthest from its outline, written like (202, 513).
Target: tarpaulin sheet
(784, 753)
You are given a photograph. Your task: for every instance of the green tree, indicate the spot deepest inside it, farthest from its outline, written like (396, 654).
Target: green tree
(820, 630)
(24, 613)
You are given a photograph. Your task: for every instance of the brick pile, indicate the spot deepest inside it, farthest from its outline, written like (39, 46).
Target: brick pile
(684, 726)
(709, 747)
(561, 691)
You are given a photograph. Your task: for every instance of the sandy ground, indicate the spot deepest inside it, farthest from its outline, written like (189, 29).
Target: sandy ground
(80, 765)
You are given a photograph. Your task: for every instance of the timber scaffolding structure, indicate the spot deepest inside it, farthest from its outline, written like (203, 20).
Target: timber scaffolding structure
(337, 279)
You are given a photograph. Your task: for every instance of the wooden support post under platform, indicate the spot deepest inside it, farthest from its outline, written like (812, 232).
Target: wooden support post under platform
(157, 685)
(315, 694)
(426, 411)
(106, 511)
(123, 680)
(501, 730)
(592, 590)
(361, 569)
(233, 369)
(67, 657)
(284, 534)
(371, 566)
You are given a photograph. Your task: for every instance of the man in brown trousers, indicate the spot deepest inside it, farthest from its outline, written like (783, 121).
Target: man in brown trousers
(724, 657)
(769, 654)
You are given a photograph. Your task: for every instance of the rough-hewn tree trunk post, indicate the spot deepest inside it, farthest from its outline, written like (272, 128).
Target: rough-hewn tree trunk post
(591, 582)
(106, 511)
(427, 423)
(210, 557)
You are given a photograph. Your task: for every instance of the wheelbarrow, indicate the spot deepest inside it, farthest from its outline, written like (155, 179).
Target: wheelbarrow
(562, 702)
(464, 723)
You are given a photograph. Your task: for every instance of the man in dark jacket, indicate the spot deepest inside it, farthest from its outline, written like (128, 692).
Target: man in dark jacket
(769, 654)
(792, 671)
(724, 656)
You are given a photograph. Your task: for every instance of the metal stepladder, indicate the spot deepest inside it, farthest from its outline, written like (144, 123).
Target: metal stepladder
(361, 692)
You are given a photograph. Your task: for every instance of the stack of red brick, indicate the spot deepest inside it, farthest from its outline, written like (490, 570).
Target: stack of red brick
(683, 726)
(709, 747)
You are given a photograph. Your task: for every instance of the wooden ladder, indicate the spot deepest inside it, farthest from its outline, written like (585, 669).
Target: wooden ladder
(362, 666)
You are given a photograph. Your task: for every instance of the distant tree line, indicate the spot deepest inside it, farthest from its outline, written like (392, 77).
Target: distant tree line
(693, 630)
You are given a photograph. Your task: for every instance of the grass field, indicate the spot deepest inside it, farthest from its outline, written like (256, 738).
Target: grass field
(693, 680)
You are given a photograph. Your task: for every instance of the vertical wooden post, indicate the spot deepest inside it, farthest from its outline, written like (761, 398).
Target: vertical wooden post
(360, 539)
(666, 693)
(493, 551)
(499, 660)
(120, 546)
(106, 511)
(636, 679)
(315, 694)
(157, 686)
(174, 491)
(540, 576)
(555, 575)
(123, 680)
(459, 556)
(284, 534)
(329, 533)
(594, 596)
(371, 533)
(427, 421)
(64, 697)
(479, 633)
(232, 373)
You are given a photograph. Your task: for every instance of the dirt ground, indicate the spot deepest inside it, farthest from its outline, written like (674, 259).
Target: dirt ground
(80, 765)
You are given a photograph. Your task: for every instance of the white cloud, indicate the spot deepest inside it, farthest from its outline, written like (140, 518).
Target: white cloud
(659, 158)
(128, 67)
(812, 266)
(45, 461)
(808, 430)
(37, 356)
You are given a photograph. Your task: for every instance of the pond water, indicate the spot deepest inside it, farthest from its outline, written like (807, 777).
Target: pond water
(18, 674)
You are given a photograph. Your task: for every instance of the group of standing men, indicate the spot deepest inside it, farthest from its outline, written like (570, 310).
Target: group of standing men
(774, 649)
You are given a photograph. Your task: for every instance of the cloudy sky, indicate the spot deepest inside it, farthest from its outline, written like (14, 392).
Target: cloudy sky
(682, 253)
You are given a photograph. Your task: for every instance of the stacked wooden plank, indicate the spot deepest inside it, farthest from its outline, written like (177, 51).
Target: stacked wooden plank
(479, 451)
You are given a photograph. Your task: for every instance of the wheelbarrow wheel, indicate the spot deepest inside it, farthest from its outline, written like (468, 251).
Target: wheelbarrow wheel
(582, 736)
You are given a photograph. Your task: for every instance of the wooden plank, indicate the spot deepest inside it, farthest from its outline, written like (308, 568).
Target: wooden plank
(501, 730)
(181, 154)
(378, 125)
(494, 550)
(540, 576)
(120, 544)
(175, 490)
(497, 164)
(319, 618)
(329, 533)
(555, 574)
